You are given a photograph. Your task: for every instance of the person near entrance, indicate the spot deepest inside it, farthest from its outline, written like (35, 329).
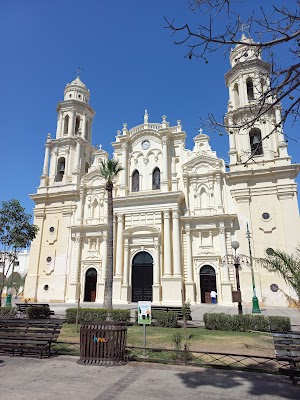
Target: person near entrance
(213, 295)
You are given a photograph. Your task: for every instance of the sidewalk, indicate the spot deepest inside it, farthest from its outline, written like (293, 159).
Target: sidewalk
(61, 378)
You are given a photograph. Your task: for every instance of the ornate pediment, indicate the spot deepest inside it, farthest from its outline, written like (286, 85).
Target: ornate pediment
(202, 164)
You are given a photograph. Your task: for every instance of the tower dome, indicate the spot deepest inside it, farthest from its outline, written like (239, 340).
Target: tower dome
(76, 90)
(244, 51)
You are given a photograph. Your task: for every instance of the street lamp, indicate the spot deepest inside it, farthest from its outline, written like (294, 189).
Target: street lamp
(255, 304)
(236, 260)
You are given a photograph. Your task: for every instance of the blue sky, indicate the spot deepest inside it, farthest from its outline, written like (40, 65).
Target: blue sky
(129, 64)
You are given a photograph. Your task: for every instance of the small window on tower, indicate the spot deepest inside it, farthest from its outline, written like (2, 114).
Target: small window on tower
(250, 91)
(255, 142)
(60, 169)
(77, 125)
(156, 179)
(66, 124)
(135, 181)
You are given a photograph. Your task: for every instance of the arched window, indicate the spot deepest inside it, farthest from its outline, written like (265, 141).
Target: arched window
(66, 125)
(255, 142)
(135, 181)
(77, 124)
(60, 171)
(86, 167)
(156, 179)
(250, 92)
(203, 198)
(236, 95)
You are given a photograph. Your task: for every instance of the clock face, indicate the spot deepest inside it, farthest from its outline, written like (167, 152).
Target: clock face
(145, 144)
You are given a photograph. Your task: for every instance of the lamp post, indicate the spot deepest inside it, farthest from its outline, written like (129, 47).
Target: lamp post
(255, 303)
(236, 260)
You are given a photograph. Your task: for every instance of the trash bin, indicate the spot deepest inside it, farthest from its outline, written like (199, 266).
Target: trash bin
(103, 343)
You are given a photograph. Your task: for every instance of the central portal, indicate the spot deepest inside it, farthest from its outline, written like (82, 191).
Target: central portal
(142, 277)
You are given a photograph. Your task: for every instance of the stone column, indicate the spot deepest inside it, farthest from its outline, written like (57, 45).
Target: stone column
(189, 284)
(71, 124)
(167, 244)
(189, 261)
(119, 247)
(156, 287)
(83, 127)
(125, 297)
(123, 173)
(77, 156)
(59, 126)
(53, 165)
(176, 244)
(126, 262)
(46, 159)
(76, 270)
(165, 171)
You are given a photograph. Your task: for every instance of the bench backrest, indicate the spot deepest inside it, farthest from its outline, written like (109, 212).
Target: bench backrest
(47, 329)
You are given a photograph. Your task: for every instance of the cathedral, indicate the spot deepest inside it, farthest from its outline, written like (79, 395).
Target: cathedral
(176, 211)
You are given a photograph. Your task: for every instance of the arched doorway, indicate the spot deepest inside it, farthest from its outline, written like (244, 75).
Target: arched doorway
(207, 282)
(90, 285)
(142, 277)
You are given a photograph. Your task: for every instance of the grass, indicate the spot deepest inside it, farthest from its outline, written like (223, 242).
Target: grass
(199, 339)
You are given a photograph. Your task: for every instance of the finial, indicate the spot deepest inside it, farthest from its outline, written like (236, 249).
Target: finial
(49, 136)
(146, 117)
(78, 70)
(118, 132)
(244, 28)
(164, 117)
(200, 131)
(178, 122)
(124, 129)
(100, 146)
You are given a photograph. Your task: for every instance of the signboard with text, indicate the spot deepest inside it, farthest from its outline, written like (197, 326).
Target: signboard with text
(144, 312)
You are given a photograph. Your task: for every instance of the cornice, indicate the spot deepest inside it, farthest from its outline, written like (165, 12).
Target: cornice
(250, 64)
(145, 197)
(76, 103)
(289, 171)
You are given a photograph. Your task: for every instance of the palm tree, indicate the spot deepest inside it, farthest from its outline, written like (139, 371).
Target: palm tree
(109, 170)
(287, 265)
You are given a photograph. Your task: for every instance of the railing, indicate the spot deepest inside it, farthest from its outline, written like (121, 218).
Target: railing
(190, 357)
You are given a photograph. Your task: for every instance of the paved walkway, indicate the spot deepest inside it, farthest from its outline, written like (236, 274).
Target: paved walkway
(61, 378)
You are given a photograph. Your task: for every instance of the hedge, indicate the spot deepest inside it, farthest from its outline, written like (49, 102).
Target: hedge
(96, 314)
(38, 312)
(166, 319)
(243, 323)
(8, 312)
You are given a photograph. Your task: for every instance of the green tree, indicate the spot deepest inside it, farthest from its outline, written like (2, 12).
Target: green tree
(287, 265)
(16, 233)
(109, 170)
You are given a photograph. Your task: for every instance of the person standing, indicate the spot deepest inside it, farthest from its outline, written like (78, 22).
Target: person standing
(213, 295)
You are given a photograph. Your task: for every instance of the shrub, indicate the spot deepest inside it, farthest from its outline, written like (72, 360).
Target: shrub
(244, 323)
(96, 314)
(167, 319)
(38, 312)
(8, 312)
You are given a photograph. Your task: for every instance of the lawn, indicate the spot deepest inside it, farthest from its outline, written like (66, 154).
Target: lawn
(200, 339)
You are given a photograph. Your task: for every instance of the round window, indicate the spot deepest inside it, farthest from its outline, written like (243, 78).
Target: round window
(274, 287)
(46, 288)
(265, 216)
(79, 96)
(270, 251)
(49, 259)
(51, 229)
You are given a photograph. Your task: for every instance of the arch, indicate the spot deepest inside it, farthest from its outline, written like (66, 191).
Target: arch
(135, 184)
(250, 91)
(90, 285)
(203, 198)
(236, 95)
(77, 124)
(60, 169)
(255, 142)
(66, 125)
(156, 179)
(94, 208)
(208, 282)
(142, 277)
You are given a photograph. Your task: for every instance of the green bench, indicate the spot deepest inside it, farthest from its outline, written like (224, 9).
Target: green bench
(178, 310)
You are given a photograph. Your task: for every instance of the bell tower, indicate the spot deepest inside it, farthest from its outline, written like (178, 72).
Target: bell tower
(255, 130)
(69, 155)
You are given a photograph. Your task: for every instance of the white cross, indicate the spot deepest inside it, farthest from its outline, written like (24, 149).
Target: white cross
(200, 131)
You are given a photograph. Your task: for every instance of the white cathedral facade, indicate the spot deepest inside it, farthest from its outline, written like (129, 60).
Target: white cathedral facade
(176, 211)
